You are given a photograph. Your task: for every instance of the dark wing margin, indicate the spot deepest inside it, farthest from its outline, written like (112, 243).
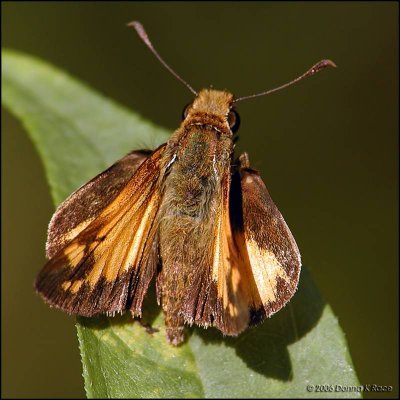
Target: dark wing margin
(106, 266)
(80, 208)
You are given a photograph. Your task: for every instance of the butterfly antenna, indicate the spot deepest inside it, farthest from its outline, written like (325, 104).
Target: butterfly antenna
(319, 66)
(143, 35)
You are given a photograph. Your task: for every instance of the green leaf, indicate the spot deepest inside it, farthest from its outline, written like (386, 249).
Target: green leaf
(78, 133)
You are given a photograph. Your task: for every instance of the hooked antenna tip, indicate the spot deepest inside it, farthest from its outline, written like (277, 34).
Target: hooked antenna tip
(321, 65)
(140, 31)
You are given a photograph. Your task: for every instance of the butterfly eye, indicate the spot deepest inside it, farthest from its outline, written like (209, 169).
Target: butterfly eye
(186, 111)
(233, 121)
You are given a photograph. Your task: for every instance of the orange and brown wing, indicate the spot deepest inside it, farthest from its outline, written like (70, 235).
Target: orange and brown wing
(266, 245)
(256, 262)
(82, 207)
(106, 264)
(229, 272)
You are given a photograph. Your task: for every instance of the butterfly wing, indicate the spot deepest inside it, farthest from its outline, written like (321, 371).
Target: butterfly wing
(256, 262)
(104, 260)
(79, 209)
(266, 245)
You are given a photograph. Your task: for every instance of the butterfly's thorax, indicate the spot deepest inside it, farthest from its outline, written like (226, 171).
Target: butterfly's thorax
(195, 174)
(198, 155)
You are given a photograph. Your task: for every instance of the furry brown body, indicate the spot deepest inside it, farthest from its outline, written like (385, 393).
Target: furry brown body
(202, 152)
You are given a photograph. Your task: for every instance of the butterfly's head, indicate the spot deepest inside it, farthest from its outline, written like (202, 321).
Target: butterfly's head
(213, 105)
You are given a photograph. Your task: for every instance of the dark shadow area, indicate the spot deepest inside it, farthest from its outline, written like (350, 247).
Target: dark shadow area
(264, 347)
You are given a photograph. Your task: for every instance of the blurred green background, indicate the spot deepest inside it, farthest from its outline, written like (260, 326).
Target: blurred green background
(327, 150)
